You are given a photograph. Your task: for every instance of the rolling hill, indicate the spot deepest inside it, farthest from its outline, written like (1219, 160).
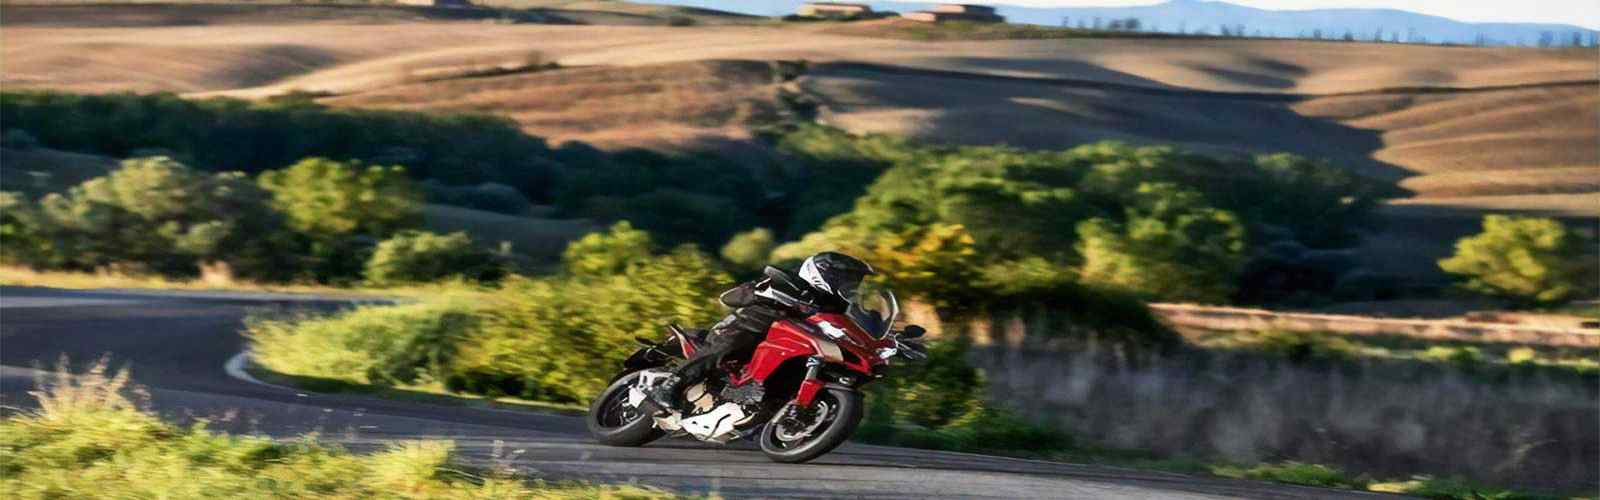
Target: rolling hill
(1211, 17)
(1467, 130)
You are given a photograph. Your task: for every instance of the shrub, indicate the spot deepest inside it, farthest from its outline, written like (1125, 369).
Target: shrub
(610, 253)
(420, 256)
(562, 339)
(1530, 260)
(328, 199)
(155, 215)
(1152, 220)
(749, 251)
(385, 345)
(1294, 473)
(556, 339)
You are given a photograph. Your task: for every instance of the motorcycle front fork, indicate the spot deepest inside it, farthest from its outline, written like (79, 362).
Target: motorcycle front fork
(812, 383)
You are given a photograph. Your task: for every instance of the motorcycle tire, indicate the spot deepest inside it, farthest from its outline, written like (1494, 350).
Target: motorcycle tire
(848, 416)
(637, 432)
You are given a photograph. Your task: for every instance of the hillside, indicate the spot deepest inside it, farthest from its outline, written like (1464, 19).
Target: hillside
(341, 58)
(1210, 16)
(1465, 130)
(660, 105)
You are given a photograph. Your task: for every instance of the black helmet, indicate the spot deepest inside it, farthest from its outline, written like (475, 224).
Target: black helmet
(834, 273)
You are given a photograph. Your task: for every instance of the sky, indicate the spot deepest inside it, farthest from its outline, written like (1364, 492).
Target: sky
(1580, 12)
(1584, 13)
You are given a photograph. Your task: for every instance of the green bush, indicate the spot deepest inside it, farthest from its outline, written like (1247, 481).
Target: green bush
(420, 256)
(341, 209)
(611, 253)
(384, 345)
(329, 199)
(153, 215)
(1294, 473)
(1530, 260)
(749, 251)
(1150, 220)
(561, 339)
(556, 339)
(1170, 247)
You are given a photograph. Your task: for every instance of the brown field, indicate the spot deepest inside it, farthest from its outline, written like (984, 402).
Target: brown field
(1467, 130)
(656, 105)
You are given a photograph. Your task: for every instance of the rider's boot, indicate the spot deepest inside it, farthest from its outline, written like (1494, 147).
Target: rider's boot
(665, 395)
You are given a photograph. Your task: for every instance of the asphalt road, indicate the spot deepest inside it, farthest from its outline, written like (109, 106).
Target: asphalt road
(176, 345)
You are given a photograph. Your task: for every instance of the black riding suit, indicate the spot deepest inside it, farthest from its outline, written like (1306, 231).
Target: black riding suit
(747, 325)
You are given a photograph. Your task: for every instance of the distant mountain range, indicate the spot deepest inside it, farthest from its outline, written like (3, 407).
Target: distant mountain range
(1212, 17)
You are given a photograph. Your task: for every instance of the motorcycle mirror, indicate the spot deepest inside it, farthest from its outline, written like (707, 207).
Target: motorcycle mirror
(913, 332)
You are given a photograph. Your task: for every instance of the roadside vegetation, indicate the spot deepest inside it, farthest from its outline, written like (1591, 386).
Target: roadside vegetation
(1484, 358)
(89, 437)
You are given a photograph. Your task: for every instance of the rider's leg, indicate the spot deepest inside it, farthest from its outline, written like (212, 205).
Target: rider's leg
(741, 330)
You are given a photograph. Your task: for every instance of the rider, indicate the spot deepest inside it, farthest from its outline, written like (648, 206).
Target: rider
(829, 279)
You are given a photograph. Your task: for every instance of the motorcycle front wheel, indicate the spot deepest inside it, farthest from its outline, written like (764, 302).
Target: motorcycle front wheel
(810, 433)
(613, 422)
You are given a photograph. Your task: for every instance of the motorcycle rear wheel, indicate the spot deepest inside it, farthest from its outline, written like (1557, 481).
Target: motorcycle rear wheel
(844, 409)
(613, 423)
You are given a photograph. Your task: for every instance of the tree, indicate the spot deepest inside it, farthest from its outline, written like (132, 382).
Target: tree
(328, 199)
(1531, 260)
(609, 253)
(1170, 247)
(749, 250)
(151, 215)
(341, 209)
(421, 256)
(937, 263)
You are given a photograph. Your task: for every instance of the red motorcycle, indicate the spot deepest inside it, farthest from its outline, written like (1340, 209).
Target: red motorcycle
(798, 392)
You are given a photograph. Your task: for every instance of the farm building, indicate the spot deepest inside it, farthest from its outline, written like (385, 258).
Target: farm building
(435, 3)
(956, 12)
(832, 10)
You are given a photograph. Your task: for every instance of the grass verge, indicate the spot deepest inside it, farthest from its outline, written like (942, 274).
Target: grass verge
(432, 393)
(89, 437)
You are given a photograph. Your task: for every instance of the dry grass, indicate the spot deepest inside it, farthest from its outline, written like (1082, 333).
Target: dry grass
(91, 435)
(361, 56)
(602, 102)
(21, 276)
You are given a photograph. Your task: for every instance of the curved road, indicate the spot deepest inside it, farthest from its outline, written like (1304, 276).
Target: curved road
(176, 344)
